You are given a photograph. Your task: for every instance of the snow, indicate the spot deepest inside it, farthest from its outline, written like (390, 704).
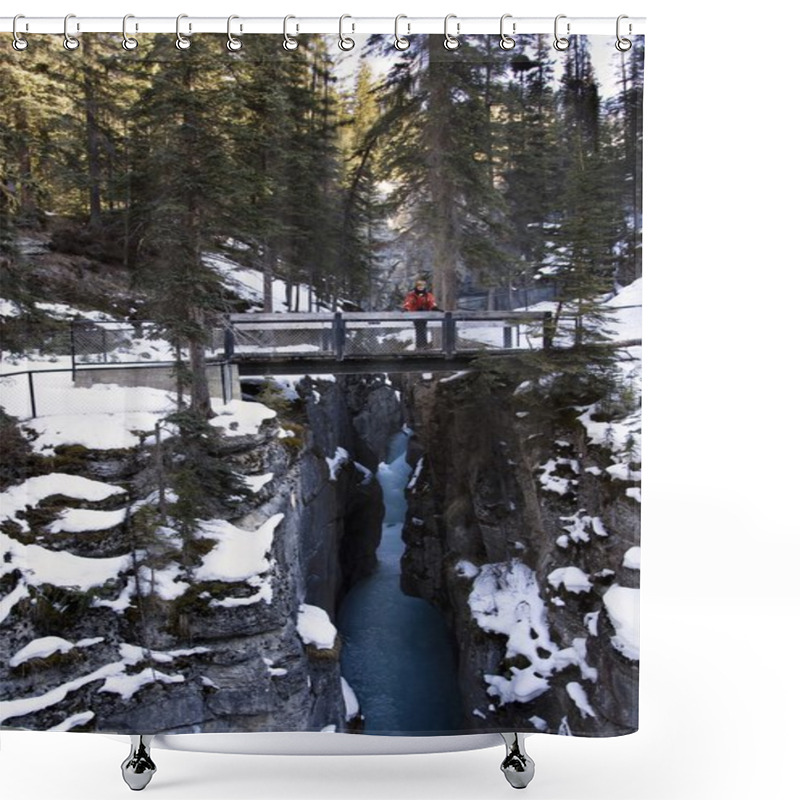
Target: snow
(162, 582)
(46, 646)
(622, 605)
(578, 695)
(109, 416)
(314, 627)
(335, 464)
(351, 704)
(264, 593)
(240, 418)
(22, 706)
(551, 482)
(39, 566)
(73, 722)
(623, 472)
(466, 569)
(455, 376)
(257, 482)
(274, 672)
(127, 685)
(505, 600)
(239, 554)
(80, 520)
(571, 578)
(415, 475)
(34, 490)
(11, 599)
(249, 283)
(632, 558)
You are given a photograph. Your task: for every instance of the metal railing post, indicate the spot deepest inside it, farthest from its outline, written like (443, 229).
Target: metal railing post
(32, 392)
(72, 347)
(224, 381)
(449, 334)
(547, 330)
(228, 339)
(339, 335)
(507, 343)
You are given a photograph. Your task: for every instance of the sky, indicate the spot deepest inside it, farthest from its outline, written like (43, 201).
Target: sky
(604, 59)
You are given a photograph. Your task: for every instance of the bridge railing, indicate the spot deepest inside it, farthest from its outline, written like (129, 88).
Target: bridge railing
(356, 334)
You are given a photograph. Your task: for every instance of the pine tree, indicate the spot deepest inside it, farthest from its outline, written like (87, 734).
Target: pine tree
(626, 110)
(438, 157)
(182, 199)
(590, 223)
(530, 168)
(361, 211)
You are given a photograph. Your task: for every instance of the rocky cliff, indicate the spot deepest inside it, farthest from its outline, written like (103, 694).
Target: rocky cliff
(523, 529)
(108, 625)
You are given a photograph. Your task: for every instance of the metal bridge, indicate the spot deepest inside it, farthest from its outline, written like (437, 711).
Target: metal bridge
(378, 341)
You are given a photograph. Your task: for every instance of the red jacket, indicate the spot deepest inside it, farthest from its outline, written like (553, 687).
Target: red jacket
(420, 301)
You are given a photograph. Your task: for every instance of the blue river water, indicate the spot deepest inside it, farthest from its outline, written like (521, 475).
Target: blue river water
(397, 654)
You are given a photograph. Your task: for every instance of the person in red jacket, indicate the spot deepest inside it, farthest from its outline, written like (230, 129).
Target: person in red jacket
(420, 299)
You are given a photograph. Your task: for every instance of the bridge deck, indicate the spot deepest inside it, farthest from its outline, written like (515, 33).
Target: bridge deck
(250, 365)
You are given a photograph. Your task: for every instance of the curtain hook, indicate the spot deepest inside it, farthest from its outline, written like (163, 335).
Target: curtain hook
(400, 42)
(345, 42)
(451, 42)
(19, 42)
(234, 43)
(561, 42)
(622, 44)
(70, 42)
(128, 42)
(289, 43)
(506, 41)
(181, 41)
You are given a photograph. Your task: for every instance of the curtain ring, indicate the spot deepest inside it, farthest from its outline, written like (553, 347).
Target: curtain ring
(70, 42)
(234, 43)
(622, 44)
(128, 42)
(506, 41)
(561, 42)
(181, 41)
(400, 42)
(19, 43)
(451, 42)
(289, 43)
(345, 42)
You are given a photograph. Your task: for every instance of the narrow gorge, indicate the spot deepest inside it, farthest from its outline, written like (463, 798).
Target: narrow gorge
(414, 554)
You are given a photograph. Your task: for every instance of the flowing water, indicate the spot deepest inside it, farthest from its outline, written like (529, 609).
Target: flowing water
(398, 654)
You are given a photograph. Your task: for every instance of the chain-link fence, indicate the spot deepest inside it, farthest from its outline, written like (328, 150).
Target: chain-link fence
(131, 343)
(294, 334)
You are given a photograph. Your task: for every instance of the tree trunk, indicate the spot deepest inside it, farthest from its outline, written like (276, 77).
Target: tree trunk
(442, 190)
(201, 396)
(92, 136)
(268, 260)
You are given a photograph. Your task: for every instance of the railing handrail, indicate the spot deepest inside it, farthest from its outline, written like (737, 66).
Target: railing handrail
(89, 367)
(385, 316)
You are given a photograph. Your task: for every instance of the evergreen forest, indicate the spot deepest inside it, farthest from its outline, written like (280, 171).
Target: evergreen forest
(483, 169)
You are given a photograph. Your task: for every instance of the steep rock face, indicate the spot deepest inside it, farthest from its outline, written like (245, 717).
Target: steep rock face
(159, 649)
(512, 500)
(351, 421)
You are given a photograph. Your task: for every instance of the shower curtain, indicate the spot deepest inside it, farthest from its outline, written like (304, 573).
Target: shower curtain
(320, 385)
